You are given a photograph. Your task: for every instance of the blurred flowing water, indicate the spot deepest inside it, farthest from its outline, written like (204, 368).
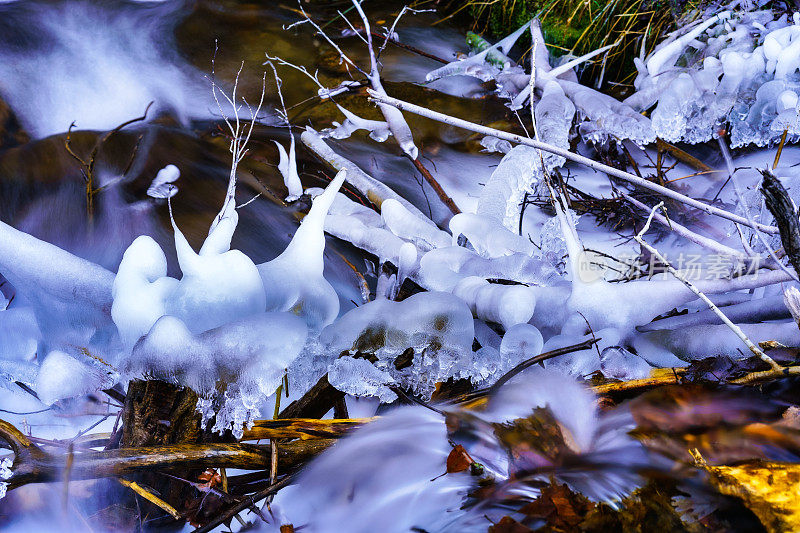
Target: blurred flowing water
(98, 64)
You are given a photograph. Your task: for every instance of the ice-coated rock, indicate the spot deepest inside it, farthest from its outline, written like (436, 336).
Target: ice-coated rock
(420, 341)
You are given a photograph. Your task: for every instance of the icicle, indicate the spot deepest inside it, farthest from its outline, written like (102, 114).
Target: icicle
(288, 169)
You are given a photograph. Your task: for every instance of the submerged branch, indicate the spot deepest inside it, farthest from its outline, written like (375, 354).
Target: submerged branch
(34, 465)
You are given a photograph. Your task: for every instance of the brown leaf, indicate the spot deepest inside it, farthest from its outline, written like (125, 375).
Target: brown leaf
(559, 506)
(766, 488)
(458, 460)
(210, 477)
(509, 525)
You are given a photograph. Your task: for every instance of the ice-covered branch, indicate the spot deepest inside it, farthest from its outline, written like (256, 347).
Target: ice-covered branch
(688, 234)
(374, 190)
(631, 178)
(287, 165)
(736, 329)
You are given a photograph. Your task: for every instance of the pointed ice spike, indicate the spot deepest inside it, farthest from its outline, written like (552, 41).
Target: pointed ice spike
(294, 280)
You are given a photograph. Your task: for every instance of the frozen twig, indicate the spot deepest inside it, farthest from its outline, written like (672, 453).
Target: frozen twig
(240, 134)
(688, 234)
(631, 178)
(736, 329)
(780, 204)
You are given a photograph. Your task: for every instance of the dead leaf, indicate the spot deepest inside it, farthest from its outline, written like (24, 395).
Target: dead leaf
(561, 508)
(509, 525)
(458, 459)
(769, 489)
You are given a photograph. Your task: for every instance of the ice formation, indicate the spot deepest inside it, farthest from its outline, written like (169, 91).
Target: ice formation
(378, 130)
(229, 328)
(218, 286)
(506, 305)
(417, 342)
(484, 65)
(287, 166)
(5, 473)
(294, 280)
(162, 185)
(62, 376)
(601, 117)
(739, 68)
(210, 326)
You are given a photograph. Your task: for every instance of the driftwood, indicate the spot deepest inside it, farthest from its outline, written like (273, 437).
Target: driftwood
(34, 465)
(303, 428)
(782, 208)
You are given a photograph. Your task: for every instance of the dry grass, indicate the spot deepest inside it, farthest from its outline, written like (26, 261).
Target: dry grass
(579, 26)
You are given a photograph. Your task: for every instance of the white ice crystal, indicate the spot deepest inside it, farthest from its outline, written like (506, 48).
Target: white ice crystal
(478, 65)
(618, 363)
(745, 74)
(246, 357)
(408, 225)
(487, 236)
(442, 268)
(378, 129)
(72, 296)
(519, 172)
(493, 144)
(505, 304)
(361, 378)
(5, 473)
(218, 286)
(19, 333)
(554, 113)
(522, 341)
